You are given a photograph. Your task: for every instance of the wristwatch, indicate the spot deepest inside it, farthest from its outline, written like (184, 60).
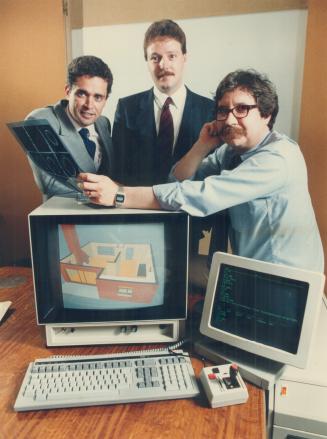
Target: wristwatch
(119, 197)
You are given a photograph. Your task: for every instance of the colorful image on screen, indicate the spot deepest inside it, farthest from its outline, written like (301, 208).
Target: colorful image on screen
(112, 267)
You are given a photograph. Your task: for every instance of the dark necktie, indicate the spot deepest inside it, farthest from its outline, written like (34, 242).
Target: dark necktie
(235, 160)
(89, 144)
(165, 140)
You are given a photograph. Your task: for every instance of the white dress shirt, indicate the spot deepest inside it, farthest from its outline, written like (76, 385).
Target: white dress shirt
(176, 108)
(93, 136)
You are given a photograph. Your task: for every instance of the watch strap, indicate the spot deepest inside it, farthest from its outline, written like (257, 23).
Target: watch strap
(119, 197)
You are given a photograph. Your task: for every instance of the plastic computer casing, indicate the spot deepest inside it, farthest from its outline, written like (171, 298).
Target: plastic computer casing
(149, 323)
(315, 284)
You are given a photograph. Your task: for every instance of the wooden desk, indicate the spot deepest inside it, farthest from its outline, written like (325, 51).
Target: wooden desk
(22, 341)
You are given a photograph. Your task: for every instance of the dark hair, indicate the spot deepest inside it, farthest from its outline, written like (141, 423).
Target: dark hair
(89, 66)
(164, 28)
(261, 88)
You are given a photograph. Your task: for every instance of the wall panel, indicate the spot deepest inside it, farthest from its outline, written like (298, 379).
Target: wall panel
(105, 12)
(215, 46)
(313, 123)
(33, 75)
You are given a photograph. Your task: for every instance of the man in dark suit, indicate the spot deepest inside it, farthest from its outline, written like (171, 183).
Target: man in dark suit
(78, 121)
(139, 159)
(136, 129)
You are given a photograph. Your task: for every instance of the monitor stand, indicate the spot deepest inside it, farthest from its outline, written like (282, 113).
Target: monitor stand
(78, 334)
(257, 370)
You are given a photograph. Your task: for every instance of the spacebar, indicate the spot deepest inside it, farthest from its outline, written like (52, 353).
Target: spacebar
(65, 396)
(137, 393)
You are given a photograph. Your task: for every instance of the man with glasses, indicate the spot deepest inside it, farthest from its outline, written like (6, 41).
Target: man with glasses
(258, 174)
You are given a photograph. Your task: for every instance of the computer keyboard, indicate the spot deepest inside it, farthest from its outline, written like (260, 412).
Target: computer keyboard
(58, 382)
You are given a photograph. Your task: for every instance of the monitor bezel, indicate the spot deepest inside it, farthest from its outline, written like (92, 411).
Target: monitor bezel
(89, 216)
(315, 282)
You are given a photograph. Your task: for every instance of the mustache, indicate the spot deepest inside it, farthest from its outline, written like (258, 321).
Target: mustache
(232, 130)
(163, 74)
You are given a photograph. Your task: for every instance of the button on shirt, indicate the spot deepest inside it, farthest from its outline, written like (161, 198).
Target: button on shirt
(176, 108)
(267, 197)
(93, 136)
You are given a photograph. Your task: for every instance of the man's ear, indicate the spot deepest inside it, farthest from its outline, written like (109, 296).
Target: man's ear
(267, 119)
(67, 89)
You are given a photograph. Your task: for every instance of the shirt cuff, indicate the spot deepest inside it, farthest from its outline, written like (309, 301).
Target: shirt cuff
(166, 194)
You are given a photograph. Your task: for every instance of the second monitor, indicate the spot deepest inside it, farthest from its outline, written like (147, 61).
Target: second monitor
(261, 308)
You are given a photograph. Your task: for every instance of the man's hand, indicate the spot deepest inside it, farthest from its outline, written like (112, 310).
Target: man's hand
(209, 136)
(102, 190)
(99, 188)
(208, 140)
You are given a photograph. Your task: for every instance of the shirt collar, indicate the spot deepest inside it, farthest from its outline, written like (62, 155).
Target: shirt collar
(249, 152)
(178, 97)
(77, 126)
(263, 142)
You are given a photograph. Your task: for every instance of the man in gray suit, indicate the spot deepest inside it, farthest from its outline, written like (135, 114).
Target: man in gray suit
(78, 121)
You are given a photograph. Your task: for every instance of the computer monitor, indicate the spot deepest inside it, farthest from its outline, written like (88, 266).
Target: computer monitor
(106, 275)
(262, 308)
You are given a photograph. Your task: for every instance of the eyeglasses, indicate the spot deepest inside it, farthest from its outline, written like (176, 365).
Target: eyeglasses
(239, 111)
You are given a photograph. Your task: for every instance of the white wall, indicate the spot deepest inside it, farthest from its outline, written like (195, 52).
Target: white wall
(272, 43)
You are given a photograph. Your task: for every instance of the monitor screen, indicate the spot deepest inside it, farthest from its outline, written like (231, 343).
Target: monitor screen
(266, 309)
(109, 265)
(116, 267)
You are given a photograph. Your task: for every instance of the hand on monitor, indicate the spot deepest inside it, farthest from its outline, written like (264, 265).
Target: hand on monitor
(102, 190)
(99, 188)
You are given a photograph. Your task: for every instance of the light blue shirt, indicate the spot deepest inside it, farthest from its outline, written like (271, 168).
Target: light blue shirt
(267, 198)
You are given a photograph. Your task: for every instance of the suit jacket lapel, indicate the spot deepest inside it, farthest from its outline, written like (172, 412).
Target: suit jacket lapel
(102, 128)
(72, 140)
(145, 121)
